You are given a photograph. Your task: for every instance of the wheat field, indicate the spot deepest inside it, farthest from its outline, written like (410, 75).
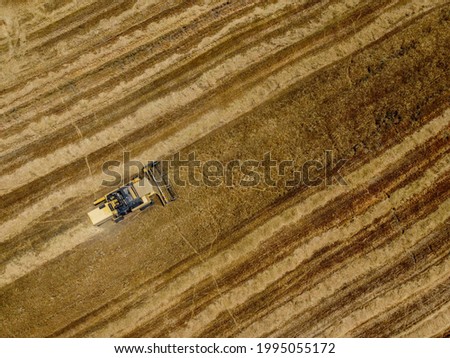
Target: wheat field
(83, 81)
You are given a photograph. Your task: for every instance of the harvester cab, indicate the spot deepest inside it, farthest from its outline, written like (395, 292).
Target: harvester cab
(138, 194)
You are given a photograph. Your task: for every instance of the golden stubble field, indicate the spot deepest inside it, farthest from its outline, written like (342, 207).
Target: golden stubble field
(83, 81)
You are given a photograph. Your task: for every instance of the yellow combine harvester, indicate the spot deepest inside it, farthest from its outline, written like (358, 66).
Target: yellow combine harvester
(138, 194)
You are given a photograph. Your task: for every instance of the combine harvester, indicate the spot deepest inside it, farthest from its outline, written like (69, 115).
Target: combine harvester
(138, 194)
